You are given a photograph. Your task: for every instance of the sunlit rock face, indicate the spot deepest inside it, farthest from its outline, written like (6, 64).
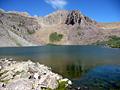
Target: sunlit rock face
(58, 17)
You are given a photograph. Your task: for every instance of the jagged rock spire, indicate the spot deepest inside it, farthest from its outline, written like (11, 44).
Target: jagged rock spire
(73, 18)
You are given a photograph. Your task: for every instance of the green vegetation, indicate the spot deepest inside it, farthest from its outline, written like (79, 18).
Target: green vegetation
(114, 42)
(100, 43)
(55, 37)
(2, 76)
(51, 44)
(62, 85)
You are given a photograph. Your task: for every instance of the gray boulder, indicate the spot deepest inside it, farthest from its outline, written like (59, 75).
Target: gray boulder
(21, 84)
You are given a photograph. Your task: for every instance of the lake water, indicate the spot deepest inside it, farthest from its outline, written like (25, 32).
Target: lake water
(72, 62)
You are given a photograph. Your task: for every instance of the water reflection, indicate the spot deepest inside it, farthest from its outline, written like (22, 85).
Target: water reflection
(103, 78)
(74, 70)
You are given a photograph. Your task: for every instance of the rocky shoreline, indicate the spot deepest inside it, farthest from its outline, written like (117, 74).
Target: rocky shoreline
(27, 75)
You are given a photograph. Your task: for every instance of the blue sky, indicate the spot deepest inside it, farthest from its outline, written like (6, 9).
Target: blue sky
(100, 10)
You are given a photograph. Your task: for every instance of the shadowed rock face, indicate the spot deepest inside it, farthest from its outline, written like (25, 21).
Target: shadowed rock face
(74, 17)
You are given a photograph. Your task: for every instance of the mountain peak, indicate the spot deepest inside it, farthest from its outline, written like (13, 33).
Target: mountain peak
(68, 17)
(74, 17)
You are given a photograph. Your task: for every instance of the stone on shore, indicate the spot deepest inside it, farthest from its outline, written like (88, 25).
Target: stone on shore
(21, 84)
(27, 75)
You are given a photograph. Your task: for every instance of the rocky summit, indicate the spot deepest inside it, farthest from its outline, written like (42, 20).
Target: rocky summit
(61, 28)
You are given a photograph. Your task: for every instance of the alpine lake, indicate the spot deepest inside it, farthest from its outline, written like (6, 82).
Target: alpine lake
(92, 66)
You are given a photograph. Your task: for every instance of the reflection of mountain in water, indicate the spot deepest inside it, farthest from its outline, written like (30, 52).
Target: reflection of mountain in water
(103, 78)
(74, 70)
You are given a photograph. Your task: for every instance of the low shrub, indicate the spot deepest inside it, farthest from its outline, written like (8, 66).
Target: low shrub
(55, 37)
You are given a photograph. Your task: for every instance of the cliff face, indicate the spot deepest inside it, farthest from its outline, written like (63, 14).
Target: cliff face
(75, 28)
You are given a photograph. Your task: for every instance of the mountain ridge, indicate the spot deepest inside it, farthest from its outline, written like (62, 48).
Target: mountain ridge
(75, 28)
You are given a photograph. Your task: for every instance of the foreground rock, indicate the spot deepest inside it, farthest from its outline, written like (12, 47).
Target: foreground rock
(27, 75)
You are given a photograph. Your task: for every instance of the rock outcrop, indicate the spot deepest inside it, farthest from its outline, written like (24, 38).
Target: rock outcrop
(26, 75)
(75, 17)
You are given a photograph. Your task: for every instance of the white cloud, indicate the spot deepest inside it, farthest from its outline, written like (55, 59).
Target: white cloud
(57, 4)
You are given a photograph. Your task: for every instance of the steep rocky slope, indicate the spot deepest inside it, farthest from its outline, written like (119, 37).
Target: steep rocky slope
(16, 29)
(75, 28)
